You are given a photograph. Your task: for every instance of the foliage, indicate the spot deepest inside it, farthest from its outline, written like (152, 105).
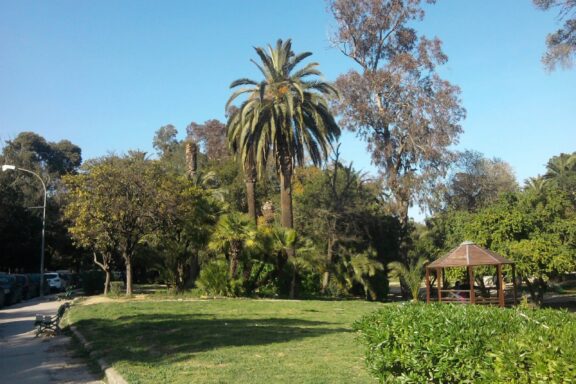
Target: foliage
(112, 205)
(341, 211)
(116, 288)
(411, 276)
(211, 136)
(561, 45)
(561, 173)
(443, 343)
(213, 279)
(19, 224)
(478, 182)
(165, 141)
(397, 102)
(183, 225)
(234, 233)
(361, 268)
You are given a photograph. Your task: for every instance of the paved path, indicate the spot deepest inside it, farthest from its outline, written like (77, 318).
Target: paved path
(26, 359)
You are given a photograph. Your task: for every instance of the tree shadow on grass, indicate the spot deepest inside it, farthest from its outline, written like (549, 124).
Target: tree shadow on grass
(165, 338)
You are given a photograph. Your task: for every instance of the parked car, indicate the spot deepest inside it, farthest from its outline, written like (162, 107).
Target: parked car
(55, 281)
(12, 289)
(26, 285)
(35, 279)
(2, 295)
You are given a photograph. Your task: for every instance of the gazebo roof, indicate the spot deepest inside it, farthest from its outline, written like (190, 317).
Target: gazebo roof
(469, 254)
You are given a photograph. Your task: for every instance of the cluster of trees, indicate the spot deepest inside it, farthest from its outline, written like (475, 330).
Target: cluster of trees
(21, 200)
(534, 225)
(181, 217)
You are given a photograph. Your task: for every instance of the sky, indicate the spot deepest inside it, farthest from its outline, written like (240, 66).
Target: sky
(107, 74)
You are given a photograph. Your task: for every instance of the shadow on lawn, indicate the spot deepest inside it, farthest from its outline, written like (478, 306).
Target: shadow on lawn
(162, 337)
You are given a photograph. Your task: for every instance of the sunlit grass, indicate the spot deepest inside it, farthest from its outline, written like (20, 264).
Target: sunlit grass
(225, 341)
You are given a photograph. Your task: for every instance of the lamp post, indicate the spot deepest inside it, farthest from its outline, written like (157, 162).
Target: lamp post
(5, 168)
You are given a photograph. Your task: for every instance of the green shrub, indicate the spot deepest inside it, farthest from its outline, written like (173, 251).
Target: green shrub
(116, 288)
(442, 343)
(92, 282)
(213, 279)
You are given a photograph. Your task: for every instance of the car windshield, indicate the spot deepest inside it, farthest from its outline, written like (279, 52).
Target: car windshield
(4, 279)
(51, 275)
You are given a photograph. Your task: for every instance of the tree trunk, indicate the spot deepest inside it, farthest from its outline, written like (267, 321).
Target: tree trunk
(105, 266)
(537, 289)
(234, 255)
(286, 170)
(191, 159)
(128, 262)
(329, 261)
(293, 284)
(251, 199)
(107, 281)
(250, 180)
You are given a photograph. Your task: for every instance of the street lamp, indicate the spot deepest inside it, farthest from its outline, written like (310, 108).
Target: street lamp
(5, 168)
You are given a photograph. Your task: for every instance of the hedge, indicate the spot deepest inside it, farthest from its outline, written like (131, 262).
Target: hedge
(444, 343)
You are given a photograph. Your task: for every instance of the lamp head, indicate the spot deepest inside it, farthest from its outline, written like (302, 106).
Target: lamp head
(6, 167)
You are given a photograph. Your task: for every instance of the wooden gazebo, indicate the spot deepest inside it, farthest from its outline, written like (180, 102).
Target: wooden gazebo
(469, 255)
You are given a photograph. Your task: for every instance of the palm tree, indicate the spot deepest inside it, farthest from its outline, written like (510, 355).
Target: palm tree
(362, 268)
(283, 116)
(410, 276)
(233, 233)
(560, 165)
(536, 184)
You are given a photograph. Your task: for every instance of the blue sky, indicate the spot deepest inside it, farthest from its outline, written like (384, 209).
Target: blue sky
(107, 74)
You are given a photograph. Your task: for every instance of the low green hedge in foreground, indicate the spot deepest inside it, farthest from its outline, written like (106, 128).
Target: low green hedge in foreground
(443, 343)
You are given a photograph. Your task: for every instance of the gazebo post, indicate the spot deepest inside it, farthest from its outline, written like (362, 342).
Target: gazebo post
(500, 285)
(514, 282)
(471, 278)
(439, 278)
(427, 286)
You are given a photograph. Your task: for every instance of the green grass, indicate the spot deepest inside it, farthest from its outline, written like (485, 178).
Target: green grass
(228, 341)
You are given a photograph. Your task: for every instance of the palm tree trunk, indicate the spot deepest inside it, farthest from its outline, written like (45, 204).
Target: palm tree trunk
(286, 220)
(251, 199)
(191, 159)
(234, 256)
(250, 176)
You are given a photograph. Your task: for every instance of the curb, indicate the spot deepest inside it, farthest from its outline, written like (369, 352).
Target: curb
(112, 376)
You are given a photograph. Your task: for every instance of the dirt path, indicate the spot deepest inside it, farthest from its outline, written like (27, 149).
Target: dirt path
(27, 359)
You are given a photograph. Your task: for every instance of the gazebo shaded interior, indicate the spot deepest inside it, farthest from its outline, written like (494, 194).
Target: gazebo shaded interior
(468, 255)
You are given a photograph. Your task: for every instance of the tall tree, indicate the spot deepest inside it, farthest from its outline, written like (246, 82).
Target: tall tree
(561, 45)
(184, 222)
(478, 181)
(18, 192)
(561, 172)
(211, 136)
(284, 116)
(165, 141)
(396, 101)
(118, 196)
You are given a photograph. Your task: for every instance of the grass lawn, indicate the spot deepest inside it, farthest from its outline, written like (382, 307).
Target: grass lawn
(228, 341)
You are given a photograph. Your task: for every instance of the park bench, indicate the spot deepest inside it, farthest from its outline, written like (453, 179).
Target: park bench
(49, 325)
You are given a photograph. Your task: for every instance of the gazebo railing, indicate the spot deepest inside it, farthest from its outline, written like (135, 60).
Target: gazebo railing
(462, 296)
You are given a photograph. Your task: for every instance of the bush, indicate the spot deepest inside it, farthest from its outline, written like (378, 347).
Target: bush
(116, 288)
(92, 282)
(443, 343)
(213, 279)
